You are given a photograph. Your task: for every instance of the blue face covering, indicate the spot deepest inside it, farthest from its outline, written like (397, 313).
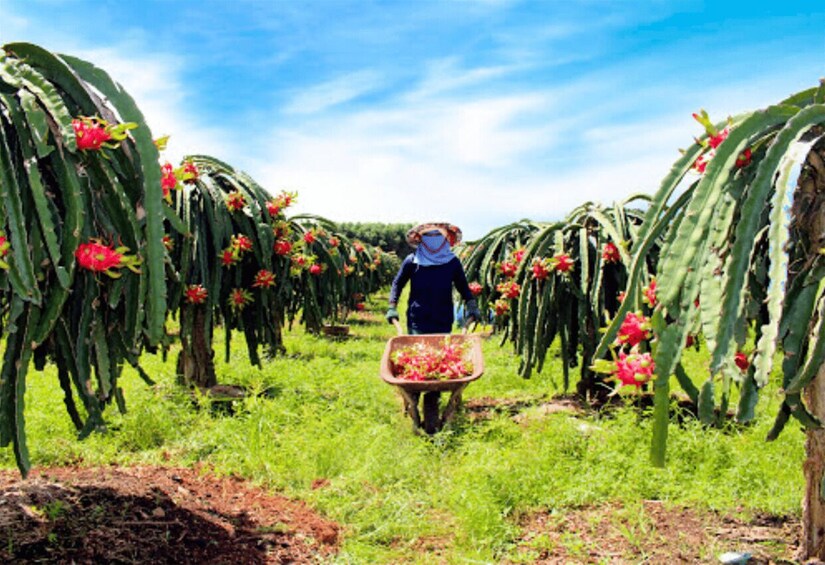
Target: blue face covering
(434, 249)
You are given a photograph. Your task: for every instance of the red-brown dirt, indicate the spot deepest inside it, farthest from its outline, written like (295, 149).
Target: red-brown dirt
(654, 533)
(174, 515)
(154, 515)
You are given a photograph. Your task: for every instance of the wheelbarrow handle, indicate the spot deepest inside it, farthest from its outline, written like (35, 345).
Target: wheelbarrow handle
(464, 331)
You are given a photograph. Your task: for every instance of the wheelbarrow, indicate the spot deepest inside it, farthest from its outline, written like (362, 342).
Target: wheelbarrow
(410, 390)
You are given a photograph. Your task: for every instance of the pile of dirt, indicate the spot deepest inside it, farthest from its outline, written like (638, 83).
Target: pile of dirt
(154, 515)
(653, 532)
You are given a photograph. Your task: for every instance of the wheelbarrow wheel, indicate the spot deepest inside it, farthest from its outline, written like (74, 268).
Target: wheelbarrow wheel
(432, 419)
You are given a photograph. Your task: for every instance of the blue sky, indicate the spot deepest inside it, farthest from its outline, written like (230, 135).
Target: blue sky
(479, 112)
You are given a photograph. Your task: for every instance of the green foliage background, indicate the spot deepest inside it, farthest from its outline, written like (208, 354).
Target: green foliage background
(392, 238)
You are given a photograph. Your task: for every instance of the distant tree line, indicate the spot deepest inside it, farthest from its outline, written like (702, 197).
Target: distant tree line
(392, 238)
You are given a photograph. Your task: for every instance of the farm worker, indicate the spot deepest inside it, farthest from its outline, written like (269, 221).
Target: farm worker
(432, 271)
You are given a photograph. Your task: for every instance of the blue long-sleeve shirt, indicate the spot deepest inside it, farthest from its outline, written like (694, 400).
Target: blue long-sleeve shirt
(430, 305)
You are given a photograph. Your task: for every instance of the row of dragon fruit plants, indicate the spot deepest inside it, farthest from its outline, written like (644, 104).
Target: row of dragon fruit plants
(727, 254)
(102, 242)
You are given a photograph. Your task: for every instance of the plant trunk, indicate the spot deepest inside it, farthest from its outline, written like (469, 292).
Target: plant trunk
(196, 365)
(591, 385)
(812, 545)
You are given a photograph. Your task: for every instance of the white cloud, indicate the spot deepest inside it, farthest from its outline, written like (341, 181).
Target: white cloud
(446, 75)
(337, 91)
(481, 161)
(467, 162)
(478, 133)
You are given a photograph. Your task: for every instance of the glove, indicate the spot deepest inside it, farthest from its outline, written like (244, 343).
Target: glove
(473, 311)
(392, 314)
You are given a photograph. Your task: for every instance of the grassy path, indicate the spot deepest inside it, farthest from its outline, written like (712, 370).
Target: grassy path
(327, 430)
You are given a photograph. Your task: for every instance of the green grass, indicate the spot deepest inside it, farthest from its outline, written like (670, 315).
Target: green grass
(326, 414)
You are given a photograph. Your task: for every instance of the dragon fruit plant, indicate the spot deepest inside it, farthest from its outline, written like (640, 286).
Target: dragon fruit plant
(555, 280)
(739, 231)
(82, 281)
(225, 230)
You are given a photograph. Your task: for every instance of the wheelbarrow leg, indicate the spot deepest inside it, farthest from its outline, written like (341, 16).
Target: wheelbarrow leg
(452, 406)
(411, 407)
(432, 423)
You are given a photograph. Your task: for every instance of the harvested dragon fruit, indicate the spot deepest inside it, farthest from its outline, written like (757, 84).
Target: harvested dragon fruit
(421, 362)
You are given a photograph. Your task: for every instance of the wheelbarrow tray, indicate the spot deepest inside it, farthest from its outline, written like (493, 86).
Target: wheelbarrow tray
(435, 341)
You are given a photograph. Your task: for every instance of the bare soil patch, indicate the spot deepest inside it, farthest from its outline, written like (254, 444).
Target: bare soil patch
(653, 533)
(154, 515)
(175, 515)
